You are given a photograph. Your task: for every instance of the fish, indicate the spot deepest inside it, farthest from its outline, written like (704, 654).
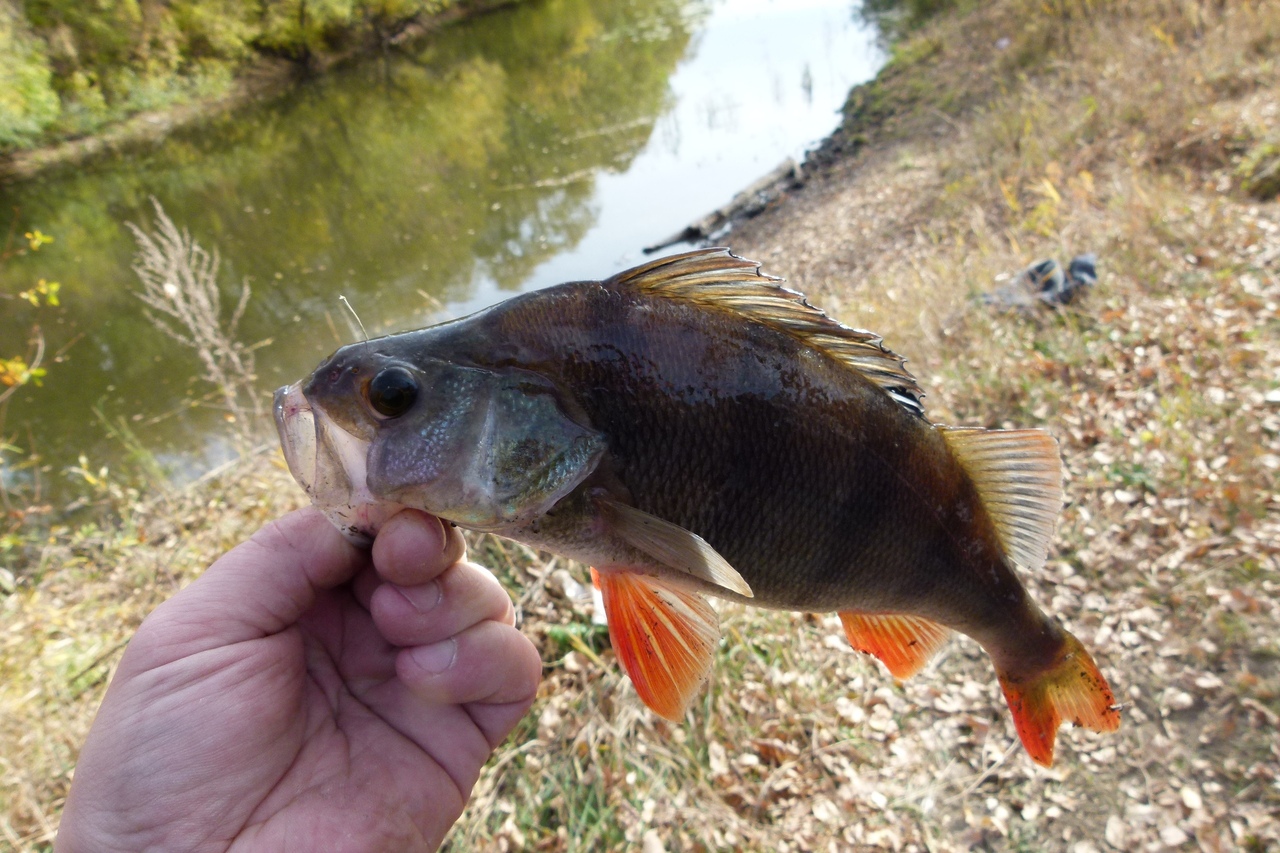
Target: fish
(689, 428)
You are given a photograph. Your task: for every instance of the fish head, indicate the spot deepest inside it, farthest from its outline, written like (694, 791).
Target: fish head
(326, 444)
(381, 425)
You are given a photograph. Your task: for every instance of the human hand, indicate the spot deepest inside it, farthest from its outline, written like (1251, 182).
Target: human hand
(304, 694)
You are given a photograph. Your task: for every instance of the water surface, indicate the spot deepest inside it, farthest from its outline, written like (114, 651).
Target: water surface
(543, 143)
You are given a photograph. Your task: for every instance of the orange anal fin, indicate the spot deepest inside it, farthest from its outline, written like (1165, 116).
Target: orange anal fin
(1072, 689)
(903, 643)
(665, 638)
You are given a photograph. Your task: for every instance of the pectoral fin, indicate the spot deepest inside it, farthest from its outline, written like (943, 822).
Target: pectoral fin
(665, 638)
(903, 643)
(672, 546)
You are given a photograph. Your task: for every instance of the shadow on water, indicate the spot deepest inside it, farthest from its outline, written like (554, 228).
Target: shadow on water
(509, 152)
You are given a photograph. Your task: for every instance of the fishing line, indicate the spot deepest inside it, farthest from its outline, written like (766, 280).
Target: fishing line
(344, 301)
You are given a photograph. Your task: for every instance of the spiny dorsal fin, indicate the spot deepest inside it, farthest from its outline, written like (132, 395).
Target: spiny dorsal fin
(1018, 474)
(720, 279)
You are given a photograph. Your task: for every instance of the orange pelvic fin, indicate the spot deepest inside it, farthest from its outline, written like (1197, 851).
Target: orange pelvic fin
(665, 637)
(1071, 689)
(903, 643)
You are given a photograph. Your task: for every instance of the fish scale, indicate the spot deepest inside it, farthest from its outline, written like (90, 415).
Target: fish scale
(690, 427)
(669, 470)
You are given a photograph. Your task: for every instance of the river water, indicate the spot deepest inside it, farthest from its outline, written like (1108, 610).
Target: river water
(541, 143)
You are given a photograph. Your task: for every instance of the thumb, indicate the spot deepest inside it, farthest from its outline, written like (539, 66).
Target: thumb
(256, 589)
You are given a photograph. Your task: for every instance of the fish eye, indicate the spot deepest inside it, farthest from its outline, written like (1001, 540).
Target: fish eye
(392, 392)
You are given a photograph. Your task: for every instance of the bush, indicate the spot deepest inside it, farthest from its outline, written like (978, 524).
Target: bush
(28, 103)
(68, 67)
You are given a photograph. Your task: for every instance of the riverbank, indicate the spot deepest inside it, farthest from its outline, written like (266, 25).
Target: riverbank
(997, 136)
(73, 99)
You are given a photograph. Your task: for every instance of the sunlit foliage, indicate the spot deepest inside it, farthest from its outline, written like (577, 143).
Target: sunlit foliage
(68, 67)
(28, 103)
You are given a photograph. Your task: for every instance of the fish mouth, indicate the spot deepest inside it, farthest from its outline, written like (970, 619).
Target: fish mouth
(296, 425)
(330, 464)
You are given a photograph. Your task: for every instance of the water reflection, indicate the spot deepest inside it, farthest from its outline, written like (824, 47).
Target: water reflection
(542, 143)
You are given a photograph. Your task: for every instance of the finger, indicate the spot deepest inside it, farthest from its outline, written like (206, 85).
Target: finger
(463, 595)
(364, 585)
(488, 663)
(259, 587)
(413, 548)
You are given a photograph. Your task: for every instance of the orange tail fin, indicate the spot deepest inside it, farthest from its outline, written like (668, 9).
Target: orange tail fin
(1071, 689)
(665, 638)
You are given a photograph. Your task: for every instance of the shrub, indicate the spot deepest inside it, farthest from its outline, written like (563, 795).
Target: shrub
(28, 103)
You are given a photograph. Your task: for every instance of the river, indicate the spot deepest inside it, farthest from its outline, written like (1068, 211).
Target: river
(541, 143)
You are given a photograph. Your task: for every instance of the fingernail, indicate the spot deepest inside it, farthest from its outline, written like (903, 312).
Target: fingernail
(444, 534)
(436, 658)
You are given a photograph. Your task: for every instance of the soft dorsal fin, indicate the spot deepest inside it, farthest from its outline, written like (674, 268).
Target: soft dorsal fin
(720, 279)
(1018, 474)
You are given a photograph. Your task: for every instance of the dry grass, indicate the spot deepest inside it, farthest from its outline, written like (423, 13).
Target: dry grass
(180, 289)
(1108, 127)
(81, 593)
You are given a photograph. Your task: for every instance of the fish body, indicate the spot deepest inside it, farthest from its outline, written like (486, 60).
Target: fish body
(690, 427)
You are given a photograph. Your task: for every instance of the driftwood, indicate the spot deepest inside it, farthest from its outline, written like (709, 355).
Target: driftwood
(744, 205)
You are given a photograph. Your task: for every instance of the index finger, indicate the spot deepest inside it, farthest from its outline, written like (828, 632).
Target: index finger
(414, 548)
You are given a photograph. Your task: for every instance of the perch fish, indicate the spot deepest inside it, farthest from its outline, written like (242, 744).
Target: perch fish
(688, 428)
